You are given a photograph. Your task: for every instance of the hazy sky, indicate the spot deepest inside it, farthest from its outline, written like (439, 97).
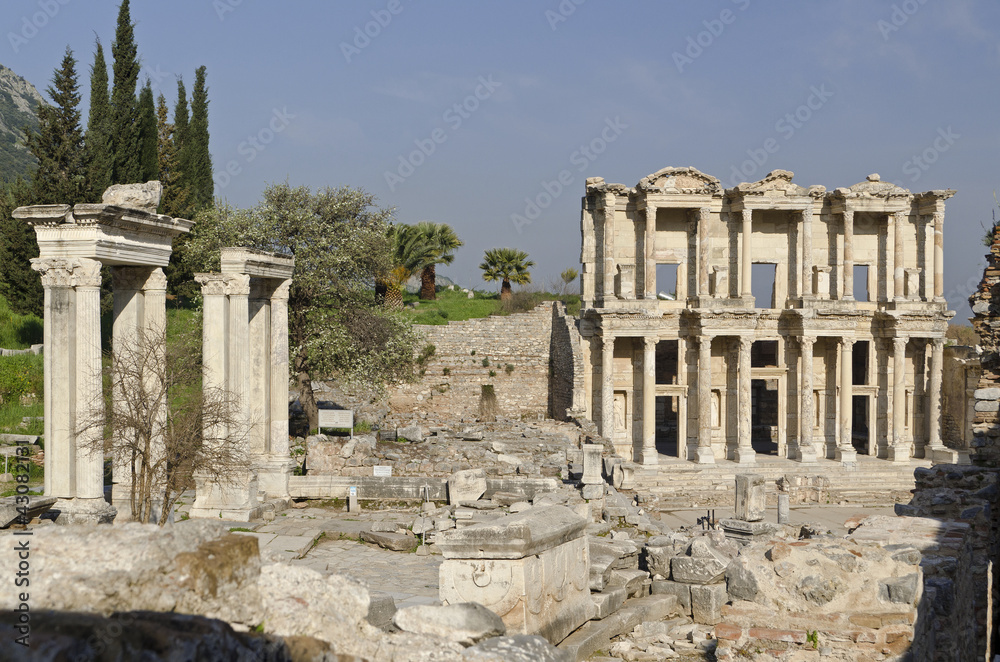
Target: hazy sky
(468, 112)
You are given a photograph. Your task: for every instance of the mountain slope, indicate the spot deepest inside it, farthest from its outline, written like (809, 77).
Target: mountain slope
(18, 100)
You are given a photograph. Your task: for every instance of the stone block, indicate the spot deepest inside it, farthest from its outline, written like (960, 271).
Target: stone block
(144, 196)
(607, 602)
(515, 536)
(591, 492)
(707, 602)
(987, 405)
(751, 501)
(740, 580)
(658, 559)
(592, 464)
(900, 590)
(381, 609)
(9, 512)
(987, 394)
(467, 485)
(681, 591)
(630, 580)
(396, 542)
(693, 570)
(519, 648)
(410, 433)
(465, 623)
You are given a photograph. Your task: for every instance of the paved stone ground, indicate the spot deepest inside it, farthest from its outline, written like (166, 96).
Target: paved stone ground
(832, 517)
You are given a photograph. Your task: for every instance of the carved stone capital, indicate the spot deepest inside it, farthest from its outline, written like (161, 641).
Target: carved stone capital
(211, 284)
(132, 278)
(280, 292)
(237, 285)
(63, 272)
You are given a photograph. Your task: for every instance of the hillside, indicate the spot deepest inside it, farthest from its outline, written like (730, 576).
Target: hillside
(18, 100)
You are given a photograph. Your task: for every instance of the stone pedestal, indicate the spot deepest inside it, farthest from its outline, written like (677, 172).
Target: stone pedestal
(592, 464)
(751, 497)
(743, 531)
(532, 569)
(949, 456)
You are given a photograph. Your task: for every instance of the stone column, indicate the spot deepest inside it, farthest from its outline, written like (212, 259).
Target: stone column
(807, 450)
(746, 290)
(215, 340)
(898, 264)
(649, 281)
(608, 385)
(238, 292)
(259, 307)
(682, 401)
(939, 256)
(274, 480)
(845, 446)
(848, 280)
(649, 454)
(900, 450)
(744, 450)
(703, 251)
(609, 246)
(704, 453)
(934, 443)
(805, 285)
(888, 258)
(74, 457)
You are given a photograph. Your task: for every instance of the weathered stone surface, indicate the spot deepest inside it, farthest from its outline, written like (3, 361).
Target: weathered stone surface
(901, 590)
(465, 623)
(518, 648)
(819, 590)
(381, 609)
(991, 393)
(144, 196)
(695, 570)
(751, 502)
(514, 536)
(9, 513)
(410, 433)
(608, 601)
(740, 581)
(396, 542)
(706, 603)
(466, 485)
(630, 580)
(680, 591)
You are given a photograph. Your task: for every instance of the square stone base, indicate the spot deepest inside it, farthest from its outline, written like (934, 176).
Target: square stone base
(273, 472)
(949, 456)
(846, 456)
(742, 531)
(745, 456)
(83, 511)
(899, 453)
(234, 500)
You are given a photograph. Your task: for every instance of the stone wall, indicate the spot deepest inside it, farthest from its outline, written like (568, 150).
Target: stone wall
(985, 302)
(532, 361)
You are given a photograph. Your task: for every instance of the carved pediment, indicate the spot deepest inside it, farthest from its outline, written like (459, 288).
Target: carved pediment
(873, 187)
(680, 180)
(778, 183)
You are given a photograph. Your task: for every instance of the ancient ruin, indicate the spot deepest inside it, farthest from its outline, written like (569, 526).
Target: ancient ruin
(839, 353)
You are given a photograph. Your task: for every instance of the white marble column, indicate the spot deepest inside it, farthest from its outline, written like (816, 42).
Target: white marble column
(845, 445)
(807, 449)
(215, 342)
(274, 481)
(609, 246)
(703, 250)
(746, 264)
(934, 442)
(649, 454)
(898, 263)
(900, 449)
(939, 256)
(89, 400)
(608, 385)
(238, 292)
(259, 363)
(649, 243)
(704, 453)
(806, 282)
(744, 450)
(682, 401)
(848, 279)
(889, 259)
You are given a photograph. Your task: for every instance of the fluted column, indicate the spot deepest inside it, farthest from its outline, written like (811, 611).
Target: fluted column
(807, 450)
(89, 403)
(746, 290)
(900, 451)
(703, 251)
(649, 453)
(934, 442)
(898, 264)
(279, 378)
(845, 445)
(806, 285)
(608, 385)
(704, 453)
(649, 281)
(744, 449)
(215, 343)
(848, 294)
(238, 291)
(609, 246)
(154, 304)
(939, 256)
(260, 367)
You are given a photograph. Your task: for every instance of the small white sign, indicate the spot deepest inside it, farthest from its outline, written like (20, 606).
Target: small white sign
(382, 470)
(336, 418)
(352, 490)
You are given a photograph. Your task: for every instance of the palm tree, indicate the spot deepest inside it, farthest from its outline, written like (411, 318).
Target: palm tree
(509, 265)
(444, 241)
(410, 252)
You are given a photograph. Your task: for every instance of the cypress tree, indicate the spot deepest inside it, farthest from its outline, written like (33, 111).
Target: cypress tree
(58, 145)
(181, 122)
(198, 163)
(124, 110)
(180, 277)
(100, 162)
(148, 135)
(19, 284)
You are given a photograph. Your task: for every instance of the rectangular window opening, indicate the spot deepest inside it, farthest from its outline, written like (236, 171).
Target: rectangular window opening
(762, 277)
(859, 369)
(666, 282)
(666, 362)
(861, 283)
(764, 354)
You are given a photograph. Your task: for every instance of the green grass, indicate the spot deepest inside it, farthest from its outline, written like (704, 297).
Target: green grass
(18, 331)
(455, 306)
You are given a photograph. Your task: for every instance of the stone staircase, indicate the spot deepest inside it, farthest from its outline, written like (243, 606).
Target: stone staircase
(680, 484)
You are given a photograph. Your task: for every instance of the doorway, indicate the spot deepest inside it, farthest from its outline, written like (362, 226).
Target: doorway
(666, 425)
(764, 416)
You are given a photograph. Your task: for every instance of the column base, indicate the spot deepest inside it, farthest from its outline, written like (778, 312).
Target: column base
(124, 507)
(846, 456)
(83, 511)
(234, 500)
(807, 455)
(744, 455)
(650, 458)
(703, 455)
(944, 455)
(272, 475)
(900, 453)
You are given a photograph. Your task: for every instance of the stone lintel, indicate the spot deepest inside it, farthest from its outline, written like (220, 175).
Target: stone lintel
(514, 536)
(259, 264)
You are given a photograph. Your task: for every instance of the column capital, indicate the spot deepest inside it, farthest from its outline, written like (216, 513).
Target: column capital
(938, 344)
(68, 272)
(237, 285)
(746, 342)
(847, 341)
(899, 343)
(807, 341)
(900, 215)
(650, 342)
(211, 284)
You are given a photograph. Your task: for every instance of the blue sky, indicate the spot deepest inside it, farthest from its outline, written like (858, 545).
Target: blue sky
(505, 96)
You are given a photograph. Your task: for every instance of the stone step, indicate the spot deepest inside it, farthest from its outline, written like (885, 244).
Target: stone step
(593, 636)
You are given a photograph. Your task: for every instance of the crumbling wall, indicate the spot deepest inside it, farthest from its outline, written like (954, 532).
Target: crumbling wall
(985, 302)
(528, 359)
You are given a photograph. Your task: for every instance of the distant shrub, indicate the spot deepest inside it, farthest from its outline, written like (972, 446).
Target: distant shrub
(21, 375)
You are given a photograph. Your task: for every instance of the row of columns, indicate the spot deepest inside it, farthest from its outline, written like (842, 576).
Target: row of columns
(700, 216)
(899, 450)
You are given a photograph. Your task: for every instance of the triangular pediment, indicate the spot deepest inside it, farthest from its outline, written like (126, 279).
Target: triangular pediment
(777, 183)
(874, 187)
(680, 180)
